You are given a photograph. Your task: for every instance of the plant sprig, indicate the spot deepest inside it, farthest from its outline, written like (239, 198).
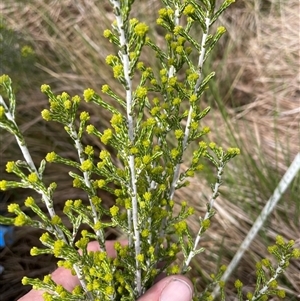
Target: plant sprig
(155, 120)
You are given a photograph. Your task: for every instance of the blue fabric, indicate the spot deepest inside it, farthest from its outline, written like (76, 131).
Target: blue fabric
(6, 235)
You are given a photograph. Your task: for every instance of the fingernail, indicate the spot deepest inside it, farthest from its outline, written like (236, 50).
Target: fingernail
(176, 290)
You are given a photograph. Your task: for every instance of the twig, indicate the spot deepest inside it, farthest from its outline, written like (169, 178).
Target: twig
(126, 65)
(189, 119)
(278, 192)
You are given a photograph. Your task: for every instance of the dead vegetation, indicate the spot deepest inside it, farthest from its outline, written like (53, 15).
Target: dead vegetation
(257, 84)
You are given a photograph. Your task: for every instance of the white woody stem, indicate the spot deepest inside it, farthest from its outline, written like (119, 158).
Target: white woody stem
(28, 159)
(270, 205)
(126, 65)
(21, 144)
(189, 119)
(207, 214)
(278, 271)
(87, 182)
(48, 202)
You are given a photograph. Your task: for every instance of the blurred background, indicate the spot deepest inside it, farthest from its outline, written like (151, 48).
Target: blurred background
(255, 106)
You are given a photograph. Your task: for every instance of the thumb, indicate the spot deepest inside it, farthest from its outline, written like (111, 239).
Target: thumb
(172, 288)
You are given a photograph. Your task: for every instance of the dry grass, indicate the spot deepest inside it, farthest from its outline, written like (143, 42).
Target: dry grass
(268, 82)
(257, 83)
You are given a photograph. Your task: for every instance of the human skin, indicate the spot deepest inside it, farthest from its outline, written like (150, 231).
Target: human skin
(171, 288)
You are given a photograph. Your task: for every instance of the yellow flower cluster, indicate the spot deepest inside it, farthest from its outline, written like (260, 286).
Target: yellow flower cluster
(180, 227)
(58, 247)
(179, 134)
(233, 151)
(111, 59)
(173, 270)
(50, 157)
(205, 224)
(146, 159)
(10, 166)
(46, 115)
(55, 220)
(141, 92)
(145, 233)
(105, 88)
(189, 10)
(90, 129)
(32, 177)
(140, 257)
(107, 33)
(166, 12)
(106, 137)
(88, 94)
(174, 153)
(101, 183)
(104, 154)
(141, 29)
(82, 243)
(87, 165)
(45, 88)
(34, 252)
(116, 120)
(177, 30)
(193, 98)
(5, 79)
(29, 202)
(84, 116)
(147, 196)
(114, 210)
(238, 283)
(20, 220)
(118, 71)
(89, 150)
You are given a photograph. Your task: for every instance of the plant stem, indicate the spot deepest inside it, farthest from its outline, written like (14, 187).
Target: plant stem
(21, 143)
(26, 154)
(46, 199)
(87, 181)
(186, 135)
(176, 22)
(128, 86)
(207, 214)
(189, 119)
(262, 291)
(286, 180)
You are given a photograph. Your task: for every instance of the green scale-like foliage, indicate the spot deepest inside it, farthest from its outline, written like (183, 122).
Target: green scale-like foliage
(161, 117)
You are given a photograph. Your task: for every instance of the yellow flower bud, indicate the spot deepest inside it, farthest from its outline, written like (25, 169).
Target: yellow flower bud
(32, 178)
(141, 29)
(10, 166)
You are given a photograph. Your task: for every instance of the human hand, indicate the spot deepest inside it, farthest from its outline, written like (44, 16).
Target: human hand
(171, 288)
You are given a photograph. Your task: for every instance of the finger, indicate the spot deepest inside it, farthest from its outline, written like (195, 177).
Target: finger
(109, 246)
(33, 296)
(172, 288)
(60, 276)
(64, 276)
(67, 280)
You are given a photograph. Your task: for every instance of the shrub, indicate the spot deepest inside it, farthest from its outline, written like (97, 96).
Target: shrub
(151, 126)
